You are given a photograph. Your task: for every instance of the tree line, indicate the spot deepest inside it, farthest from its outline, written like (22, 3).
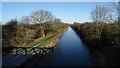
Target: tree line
(37, 25)
(105, 27)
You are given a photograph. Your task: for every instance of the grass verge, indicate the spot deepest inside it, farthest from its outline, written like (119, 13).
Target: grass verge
(40, 40)
(51, 39)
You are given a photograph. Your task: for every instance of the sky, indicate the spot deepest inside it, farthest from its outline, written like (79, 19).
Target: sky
(0, 11)
(68, 12)
(59, 0)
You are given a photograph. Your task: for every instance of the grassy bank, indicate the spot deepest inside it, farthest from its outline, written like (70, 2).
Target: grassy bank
(53, 38)
(40, 40)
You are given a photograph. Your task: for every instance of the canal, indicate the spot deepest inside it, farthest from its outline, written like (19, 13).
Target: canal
(70, 51)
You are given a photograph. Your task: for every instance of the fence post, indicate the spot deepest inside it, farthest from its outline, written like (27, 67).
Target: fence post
(25, 50)
(34, 50)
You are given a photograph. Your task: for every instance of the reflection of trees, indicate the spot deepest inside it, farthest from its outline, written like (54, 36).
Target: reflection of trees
(106, 57)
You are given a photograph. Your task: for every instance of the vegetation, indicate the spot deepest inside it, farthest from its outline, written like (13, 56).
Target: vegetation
(96, 33)
(102, 14)
(40, 40)
(111, 34)
(31, 29)
(102, 36)
(51, 39)
(105, 27)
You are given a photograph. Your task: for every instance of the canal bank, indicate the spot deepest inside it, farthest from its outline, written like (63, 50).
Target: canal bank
(70, 51)
(18, 59)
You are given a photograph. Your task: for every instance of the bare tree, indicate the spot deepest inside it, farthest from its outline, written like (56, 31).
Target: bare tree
(39, 17)
(101, 14)
(27, 20)
(116, 8)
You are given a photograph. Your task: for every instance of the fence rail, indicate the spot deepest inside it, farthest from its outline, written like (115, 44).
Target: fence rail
(28, 50)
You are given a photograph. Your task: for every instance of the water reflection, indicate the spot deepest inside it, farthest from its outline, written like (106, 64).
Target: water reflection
(71, 51)
(106, 57)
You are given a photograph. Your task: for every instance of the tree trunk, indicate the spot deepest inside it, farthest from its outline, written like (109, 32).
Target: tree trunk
(43, 33)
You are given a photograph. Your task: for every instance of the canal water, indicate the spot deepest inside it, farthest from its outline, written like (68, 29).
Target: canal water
(70, 51)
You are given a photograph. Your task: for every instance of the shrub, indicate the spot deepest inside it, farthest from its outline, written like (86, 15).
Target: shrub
(99, 33)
